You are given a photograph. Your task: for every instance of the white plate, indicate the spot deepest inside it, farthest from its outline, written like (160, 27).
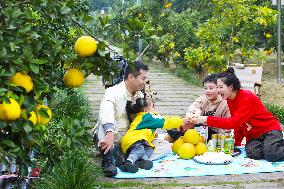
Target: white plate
(214, 158)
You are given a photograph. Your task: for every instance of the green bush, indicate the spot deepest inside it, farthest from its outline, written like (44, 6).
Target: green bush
(70, 103)
(277, 111)
(69, 128)
(76, 170)
(188, 75)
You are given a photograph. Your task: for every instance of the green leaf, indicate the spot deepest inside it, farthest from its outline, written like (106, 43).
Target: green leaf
(43, 112)
(3, 52)
(27, 128)
(87, 18)
(102, 53)
(25, 29)
(9, 143)
(15, 150)
(39, 61)
(16, 12)
(3, 90)
(12, 46)
(65, 10)
(3, 124)
(34, 68)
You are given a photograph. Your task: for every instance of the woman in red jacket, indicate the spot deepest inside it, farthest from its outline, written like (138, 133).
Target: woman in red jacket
(249, 118)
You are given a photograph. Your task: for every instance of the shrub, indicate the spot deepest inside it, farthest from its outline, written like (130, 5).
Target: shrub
(70, 103)
(189, 75)
(69, 128)
(76, 170)
(277, 111)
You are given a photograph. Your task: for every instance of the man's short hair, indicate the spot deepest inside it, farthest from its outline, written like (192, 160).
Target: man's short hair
(134, 69)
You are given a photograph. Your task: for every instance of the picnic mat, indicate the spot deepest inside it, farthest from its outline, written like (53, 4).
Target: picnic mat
(172, 166)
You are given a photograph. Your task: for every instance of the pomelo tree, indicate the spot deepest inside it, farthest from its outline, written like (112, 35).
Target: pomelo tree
(37, 40)
(232, 27)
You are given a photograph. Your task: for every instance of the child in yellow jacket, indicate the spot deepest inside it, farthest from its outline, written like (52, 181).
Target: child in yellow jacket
(137, 142)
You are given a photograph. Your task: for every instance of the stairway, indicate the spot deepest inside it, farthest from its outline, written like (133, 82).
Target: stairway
(173, 97)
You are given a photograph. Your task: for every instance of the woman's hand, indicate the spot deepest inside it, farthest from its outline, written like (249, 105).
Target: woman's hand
(199, 119)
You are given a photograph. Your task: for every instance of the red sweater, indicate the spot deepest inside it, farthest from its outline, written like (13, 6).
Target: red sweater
(249, 118)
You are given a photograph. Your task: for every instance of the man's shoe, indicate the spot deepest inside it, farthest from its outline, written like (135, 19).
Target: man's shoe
(108, 165)
(118, 156)
(128, 166)
(144, 164)
(110, 171)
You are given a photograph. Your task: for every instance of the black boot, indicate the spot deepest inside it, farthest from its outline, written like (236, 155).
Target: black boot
(108, 164)
(128, 166)
(118, 155)
(144, 164)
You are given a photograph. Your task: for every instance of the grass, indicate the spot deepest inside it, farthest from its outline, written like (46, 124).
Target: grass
(157, 184)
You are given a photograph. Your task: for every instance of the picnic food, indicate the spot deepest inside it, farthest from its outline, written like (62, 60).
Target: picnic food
(200, 148)
(191, 136)
(187, 151)
(176, 145)
(214, 158)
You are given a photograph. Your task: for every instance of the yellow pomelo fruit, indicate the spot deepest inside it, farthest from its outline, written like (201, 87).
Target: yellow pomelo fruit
(200, 148)
(10, 112)
(187, 151)
(191, 136)
(168, 5)
(22, 80)
(268, 35)
(73, 78)
(33, 118)
(85, 46)
(176, 145)
(1, 112)
(41, 119)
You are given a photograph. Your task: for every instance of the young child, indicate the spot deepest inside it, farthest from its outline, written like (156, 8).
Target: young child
(137, 142)
(208, 104)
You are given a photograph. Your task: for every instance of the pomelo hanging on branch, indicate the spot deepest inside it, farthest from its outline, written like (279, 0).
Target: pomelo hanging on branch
(10, 111)
(85, 46)
(43, 120)
(33, 118)
(73, 78)
(22, 80)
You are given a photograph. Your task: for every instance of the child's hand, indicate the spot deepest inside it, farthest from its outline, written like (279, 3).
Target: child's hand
(187, 124)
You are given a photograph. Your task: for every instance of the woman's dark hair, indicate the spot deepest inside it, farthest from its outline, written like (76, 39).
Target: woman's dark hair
(134, 108)
(212, 78)
(134, 69)
(229, 78)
